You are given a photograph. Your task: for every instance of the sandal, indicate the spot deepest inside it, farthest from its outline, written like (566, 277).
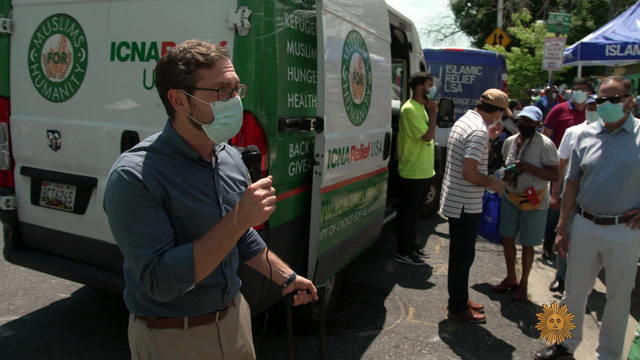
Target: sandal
(504, 286)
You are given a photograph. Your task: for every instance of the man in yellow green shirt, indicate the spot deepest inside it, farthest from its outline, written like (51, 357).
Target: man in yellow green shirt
(417, 128)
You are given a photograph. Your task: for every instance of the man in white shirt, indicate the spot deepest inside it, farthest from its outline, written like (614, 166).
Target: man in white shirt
(564, 152)
(464, 182)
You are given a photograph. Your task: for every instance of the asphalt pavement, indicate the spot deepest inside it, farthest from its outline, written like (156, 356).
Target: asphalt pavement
(385, 310)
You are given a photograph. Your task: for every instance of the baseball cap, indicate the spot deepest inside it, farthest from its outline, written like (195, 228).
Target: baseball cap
(496, 98)
(532, 112)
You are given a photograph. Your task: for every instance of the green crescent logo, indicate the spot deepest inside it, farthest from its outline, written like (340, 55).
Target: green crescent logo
(357, 78)
(58, 57)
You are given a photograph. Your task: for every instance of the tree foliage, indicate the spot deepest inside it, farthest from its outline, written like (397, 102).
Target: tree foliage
(477, 18)
(524, 21)
(524, 62)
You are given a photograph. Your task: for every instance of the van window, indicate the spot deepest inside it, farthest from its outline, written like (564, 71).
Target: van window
(399, 80)
(400, 55)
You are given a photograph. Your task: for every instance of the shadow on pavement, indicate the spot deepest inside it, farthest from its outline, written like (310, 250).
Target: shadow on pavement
(470, 341)
(367, 286)
(523, 314)
(596, 303)
(635, 297)
(89, 324)
(428, 227)
(597, 300)
(362, 312)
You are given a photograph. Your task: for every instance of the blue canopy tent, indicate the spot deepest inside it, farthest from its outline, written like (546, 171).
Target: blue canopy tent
(615, 44)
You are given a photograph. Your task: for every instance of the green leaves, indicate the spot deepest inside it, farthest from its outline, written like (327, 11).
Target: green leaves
(524, 21)
(524, 62)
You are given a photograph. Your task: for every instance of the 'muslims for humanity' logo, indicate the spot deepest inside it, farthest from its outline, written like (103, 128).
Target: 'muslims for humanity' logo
(357, 78)
(58, 57)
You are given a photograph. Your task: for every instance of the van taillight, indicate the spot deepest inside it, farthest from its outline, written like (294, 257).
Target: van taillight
(252, 133)
(6, 160)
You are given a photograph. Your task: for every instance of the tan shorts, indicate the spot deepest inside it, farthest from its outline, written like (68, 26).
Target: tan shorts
(228, 339)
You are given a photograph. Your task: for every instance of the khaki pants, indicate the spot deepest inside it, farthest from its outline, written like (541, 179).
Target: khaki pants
(228, 339)
(592, 247)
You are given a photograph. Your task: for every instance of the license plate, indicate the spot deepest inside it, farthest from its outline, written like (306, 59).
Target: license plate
(57, 196)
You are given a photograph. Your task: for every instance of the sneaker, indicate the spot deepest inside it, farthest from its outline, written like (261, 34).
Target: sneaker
(421, 253)
(411, 259)
(557, 286)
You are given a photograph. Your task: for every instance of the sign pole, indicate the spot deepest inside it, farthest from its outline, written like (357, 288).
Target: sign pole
(550, 77)
(500, 13)
(579, 69)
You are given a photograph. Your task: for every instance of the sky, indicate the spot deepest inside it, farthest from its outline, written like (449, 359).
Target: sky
(429, 14)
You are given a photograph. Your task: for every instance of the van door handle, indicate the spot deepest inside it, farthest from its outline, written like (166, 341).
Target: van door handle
(128, 140)
(301, 124)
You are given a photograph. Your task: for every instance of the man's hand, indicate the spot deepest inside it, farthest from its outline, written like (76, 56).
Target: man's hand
(634, 223)
(496, 185)
(562, 241)
(495, 130)
(306, 292)
(525, 167)
(257, 203)
(554, 202)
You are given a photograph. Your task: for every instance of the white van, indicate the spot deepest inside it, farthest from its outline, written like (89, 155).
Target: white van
(82, 91)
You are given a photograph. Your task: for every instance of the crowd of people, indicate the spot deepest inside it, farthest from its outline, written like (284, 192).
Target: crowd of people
(568, 179)
(569, 175)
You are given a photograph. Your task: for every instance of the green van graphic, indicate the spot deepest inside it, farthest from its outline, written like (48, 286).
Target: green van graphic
(58, 57)
(356, 78)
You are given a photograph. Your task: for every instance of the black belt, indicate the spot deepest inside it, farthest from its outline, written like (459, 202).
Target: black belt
(608, 220)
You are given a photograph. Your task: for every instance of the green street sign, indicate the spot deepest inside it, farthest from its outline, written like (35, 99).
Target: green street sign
(558, 29)
(558, 23)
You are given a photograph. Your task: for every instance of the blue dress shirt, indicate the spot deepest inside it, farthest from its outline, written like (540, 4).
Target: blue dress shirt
(160, 197)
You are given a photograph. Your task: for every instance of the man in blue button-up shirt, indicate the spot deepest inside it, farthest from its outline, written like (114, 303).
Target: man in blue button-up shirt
(601, 207)
(181, 207)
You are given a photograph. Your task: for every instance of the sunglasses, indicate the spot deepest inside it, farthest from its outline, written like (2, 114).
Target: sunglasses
(612, 99)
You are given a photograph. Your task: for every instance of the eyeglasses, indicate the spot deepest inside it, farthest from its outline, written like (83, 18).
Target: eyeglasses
(612, 99)
(226, 93)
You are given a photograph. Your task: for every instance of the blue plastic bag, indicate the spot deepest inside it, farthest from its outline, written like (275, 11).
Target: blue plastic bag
(490, 222)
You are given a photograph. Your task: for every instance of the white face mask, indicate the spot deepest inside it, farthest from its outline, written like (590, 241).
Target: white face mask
(431, 93)
(579, 96)
(591, 116)
(497, 121)
(227, 119)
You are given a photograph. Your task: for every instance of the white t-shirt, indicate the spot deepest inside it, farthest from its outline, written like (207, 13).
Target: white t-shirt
(569, 140)
(469, 138)
(538, 151)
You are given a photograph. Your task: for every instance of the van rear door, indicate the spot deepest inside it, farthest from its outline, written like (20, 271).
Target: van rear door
(83, 90)
(351, 152)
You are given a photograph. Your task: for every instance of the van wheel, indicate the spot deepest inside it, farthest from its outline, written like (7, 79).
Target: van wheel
(432, 198)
